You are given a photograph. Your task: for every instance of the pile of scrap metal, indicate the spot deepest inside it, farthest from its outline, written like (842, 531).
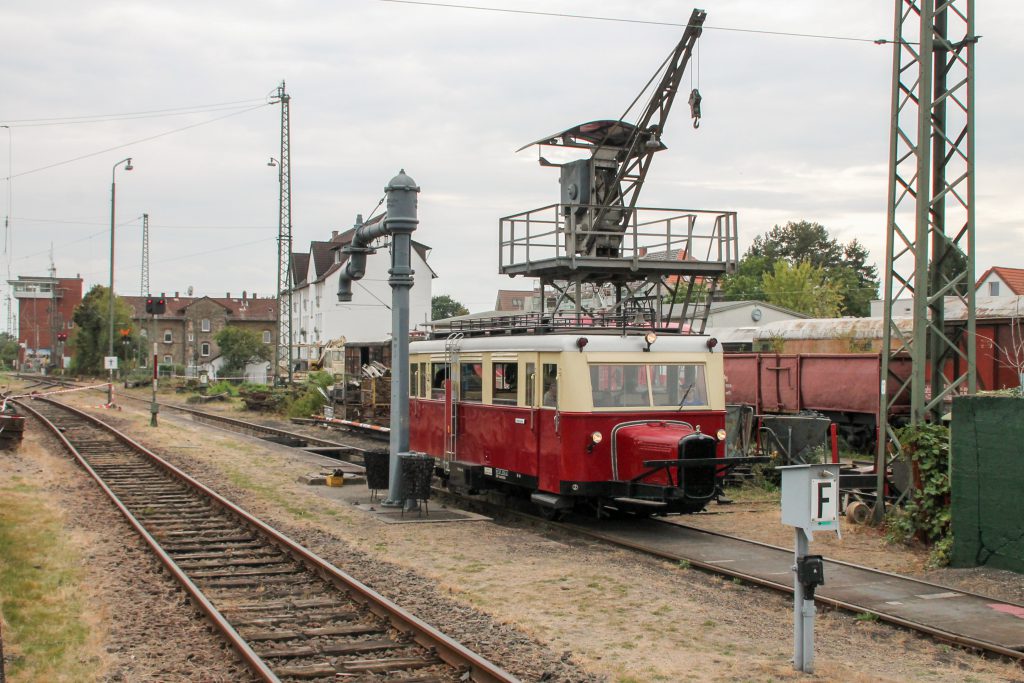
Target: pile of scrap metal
(12, 428)
(264, 401)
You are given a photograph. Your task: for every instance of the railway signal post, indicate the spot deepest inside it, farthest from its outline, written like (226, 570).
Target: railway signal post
(810, 502)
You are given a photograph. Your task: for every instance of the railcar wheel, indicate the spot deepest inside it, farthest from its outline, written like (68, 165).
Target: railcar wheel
(550, 514)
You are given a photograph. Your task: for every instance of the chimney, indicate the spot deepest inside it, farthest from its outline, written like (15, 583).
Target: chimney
(244, 297)
(227, 295)
(334, 233)
(175, 295)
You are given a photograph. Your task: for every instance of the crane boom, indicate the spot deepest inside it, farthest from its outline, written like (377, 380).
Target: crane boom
(600, 193)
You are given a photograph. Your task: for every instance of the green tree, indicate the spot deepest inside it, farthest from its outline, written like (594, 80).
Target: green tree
(8, 350)
(803, 288)
(238, 347)
(443, 306)
(90, 339)
(844, 265)
(745, 283)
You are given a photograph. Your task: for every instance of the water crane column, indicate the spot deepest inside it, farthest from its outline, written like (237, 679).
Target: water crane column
(400, 222)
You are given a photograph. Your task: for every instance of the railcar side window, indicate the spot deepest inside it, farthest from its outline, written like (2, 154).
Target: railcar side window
(550, 385)
(506, 383)
(414, 379)
(440, 374)
(531, 383)
(421, 390)
(471, 388)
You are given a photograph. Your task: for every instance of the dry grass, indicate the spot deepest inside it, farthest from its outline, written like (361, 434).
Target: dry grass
(46, 636)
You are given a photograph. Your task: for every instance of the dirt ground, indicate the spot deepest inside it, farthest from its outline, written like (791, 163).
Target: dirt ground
(623, 617)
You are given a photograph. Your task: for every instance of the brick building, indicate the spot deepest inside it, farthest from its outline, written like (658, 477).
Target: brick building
(185, 332)
(46, 307)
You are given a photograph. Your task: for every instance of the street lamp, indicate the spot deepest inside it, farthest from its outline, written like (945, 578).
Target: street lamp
(110, 309)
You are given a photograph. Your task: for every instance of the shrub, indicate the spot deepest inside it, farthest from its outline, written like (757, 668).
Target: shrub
(926, 515)
(222, 387)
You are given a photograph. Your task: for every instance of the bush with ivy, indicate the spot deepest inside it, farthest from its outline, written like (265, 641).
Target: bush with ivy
(926, 514)
(310, 400)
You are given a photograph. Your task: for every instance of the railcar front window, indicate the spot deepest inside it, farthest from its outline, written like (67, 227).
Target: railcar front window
(648, 386)
(679, 385)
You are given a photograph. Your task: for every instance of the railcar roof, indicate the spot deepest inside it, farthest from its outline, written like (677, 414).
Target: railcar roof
(558, 343)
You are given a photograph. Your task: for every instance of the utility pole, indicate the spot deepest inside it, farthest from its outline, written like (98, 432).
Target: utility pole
(930, 220)
(54, 318)
(283, 347)
(144, 283)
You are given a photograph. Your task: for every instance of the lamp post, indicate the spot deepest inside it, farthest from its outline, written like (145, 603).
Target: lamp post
(8, 237)
(110, 308)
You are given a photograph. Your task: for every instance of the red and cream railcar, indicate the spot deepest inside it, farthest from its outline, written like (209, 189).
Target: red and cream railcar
(628, 422)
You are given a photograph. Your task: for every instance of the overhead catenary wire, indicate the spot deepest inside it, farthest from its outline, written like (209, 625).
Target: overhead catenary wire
(138, 141)
(650, 22)
(152, 225)
(75, 121)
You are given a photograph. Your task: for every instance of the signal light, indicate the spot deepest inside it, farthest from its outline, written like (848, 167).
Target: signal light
(62, 336)
(156, 306)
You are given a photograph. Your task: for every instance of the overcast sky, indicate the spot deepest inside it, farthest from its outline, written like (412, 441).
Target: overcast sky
(793, 128)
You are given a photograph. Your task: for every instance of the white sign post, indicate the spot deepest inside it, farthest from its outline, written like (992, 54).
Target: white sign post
(110, 362)
(810, 502)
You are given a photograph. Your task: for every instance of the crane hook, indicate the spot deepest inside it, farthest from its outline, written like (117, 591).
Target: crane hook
(695, 99)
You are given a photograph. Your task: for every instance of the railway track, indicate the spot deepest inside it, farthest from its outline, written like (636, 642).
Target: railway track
(289, 614)
(949, 615)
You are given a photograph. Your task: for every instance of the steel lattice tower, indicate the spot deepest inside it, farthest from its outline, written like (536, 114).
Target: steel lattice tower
(930, 236)
(144, 283)
(283, 348)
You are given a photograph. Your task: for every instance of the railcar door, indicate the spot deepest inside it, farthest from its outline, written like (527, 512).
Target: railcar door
(514, 421)
(549, 444)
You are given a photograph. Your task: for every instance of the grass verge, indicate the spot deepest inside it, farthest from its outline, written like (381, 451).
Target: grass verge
(44, 631)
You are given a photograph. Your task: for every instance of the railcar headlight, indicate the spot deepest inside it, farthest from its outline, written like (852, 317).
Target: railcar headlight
(595, 438)
(721, 435)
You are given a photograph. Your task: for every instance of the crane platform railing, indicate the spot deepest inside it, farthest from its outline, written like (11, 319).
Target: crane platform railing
(655, 240)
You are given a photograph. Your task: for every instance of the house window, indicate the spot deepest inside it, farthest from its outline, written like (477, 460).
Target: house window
(204, 349)
(266, 336)
(191, 337)
(144, 333)
(167, 359)
(168, 337)
(205, 325)
(993, 289)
